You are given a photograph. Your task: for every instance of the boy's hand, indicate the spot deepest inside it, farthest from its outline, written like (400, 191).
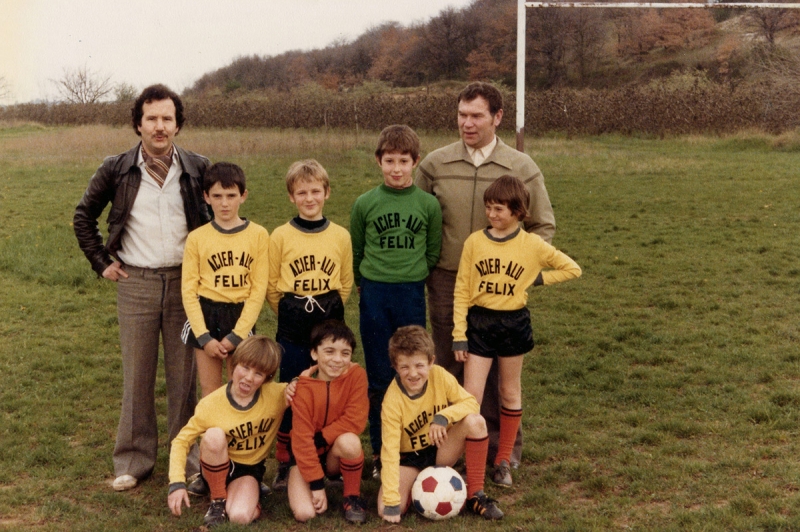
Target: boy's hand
(320, 501)
(437, 434)
(392, 518)
(461, 356)
(175, 499)
(227, 345)
(215, 349)
(289, 392)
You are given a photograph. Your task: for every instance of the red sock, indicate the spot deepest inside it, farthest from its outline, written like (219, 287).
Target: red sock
(216, 475)
(282, 447)
(475, 459)
(351, 475)
(509, 426)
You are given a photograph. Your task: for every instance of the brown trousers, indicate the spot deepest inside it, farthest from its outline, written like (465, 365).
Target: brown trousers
(441, 286)
(149, 305)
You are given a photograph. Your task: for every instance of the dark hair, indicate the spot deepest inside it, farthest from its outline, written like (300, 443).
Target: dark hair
(332, 330)
(509, 191)
(411, 340)
(228, 175)
(487, 91)
(155, 93)
(398, 138)
(258, 352)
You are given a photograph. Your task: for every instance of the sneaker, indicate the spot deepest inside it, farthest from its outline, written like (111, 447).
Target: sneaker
(281, 477)
(376, 467)
(355, 510)
(264, 491)
(197, 486)
(482, 505)
(124, 483)
(502, 474)
(216, 514)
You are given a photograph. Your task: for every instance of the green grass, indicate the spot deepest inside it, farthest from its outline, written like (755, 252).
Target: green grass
(662, 394)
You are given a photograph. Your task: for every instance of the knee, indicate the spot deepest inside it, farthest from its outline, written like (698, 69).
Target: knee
(349, 446)
(476, 425)
(240, 516)
(304, 514)
(213, 442)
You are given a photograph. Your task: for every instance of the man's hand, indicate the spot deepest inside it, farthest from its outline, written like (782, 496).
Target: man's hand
(437, 434)
(319, 500)
(175, 499)
(461, 356)
(114, 272)
(215, 349)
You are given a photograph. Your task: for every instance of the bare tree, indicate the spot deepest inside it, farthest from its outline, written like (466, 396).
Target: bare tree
(768, 22)
(125, 92)
(81, 85)
(5, 89)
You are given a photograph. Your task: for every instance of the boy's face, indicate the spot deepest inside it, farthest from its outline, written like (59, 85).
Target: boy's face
(246, 381)
(309, 197)
(501, 217)
(413, 371)
(397, 169)
(332, 357)
(224, 202)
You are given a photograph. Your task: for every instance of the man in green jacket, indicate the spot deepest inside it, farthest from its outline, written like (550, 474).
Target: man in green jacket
(457, 175)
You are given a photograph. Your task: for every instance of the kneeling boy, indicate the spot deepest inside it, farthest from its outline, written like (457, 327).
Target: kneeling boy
(238, 424)
(330, 411)
(428, 419)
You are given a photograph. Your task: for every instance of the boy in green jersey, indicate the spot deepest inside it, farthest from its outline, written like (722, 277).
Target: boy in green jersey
(396, 229)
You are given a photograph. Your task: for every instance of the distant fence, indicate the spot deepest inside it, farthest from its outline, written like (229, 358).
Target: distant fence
(656, 110)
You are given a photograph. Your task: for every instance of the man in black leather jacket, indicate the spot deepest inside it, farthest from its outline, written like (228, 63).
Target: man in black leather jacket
(156, 196)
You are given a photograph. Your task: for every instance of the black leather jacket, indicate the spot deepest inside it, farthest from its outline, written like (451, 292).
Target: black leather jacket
(117, 182)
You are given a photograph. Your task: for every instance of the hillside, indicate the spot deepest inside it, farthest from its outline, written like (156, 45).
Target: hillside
(566, 48)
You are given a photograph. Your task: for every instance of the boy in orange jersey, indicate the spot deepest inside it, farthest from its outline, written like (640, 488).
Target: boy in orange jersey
(330, 411)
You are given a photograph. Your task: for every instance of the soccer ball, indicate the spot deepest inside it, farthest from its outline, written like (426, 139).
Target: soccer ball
(438, 492)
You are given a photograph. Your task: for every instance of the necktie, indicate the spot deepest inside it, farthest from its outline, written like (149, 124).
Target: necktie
(157, 165)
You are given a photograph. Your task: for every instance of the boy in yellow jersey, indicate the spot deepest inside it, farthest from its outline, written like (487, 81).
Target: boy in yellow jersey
(238, 424)
(428, 419)
(498, 265)
(310, 278)
(224, 276)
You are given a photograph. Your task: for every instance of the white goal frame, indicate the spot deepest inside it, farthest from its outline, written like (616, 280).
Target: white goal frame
(522, 5)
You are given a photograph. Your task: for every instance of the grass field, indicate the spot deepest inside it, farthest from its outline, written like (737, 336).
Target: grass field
(662, 394)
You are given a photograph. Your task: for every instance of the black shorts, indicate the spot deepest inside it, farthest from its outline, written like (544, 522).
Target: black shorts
(420, 459)
(297, 315)
(238, 470)
(220, 319)
(499, 333)
(322, 454)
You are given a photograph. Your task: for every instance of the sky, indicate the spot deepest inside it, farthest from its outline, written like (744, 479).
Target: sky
(174, 41)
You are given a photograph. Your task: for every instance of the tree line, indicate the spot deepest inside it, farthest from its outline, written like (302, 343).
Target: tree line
(597, 48)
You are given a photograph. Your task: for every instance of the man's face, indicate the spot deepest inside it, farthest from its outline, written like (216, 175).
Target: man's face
(476, 124)
(158, 126)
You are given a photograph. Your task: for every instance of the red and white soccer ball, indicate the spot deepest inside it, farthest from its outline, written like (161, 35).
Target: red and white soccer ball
(438, 492)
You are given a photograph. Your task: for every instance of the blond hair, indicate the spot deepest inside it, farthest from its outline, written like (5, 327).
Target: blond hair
(260, 353)
(307, 171)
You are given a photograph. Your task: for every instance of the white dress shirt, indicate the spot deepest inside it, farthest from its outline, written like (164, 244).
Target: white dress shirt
(156, 230)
